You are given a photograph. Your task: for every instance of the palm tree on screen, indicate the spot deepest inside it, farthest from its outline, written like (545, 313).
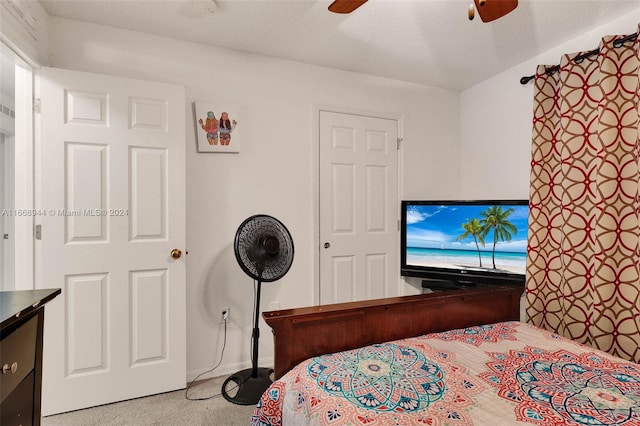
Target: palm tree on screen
(495, 219)
(474, 229)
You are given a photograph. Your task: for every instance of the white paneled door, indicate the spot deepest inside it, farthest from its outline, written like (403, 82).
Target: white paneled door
(111, 202)
(358, 207)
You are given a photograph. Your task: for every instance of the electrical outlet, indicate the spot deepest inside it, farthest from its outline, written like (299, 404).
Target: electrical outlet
(224, 314)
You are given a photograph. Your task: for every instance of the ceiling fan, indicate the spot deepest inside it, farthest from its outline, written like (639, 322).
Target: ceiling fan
(488, 10)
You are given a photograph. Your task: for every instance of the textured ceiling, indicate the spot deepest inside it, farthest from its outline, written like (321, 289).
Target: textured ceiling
(425, 41)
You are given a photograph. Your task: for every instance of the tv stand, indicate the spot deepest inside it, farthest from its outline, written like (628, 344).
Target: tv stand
(444, 285)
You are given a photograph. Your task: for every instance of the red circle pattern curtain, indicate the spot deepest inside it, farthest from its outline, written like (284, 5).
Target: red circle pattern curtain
(583, 265)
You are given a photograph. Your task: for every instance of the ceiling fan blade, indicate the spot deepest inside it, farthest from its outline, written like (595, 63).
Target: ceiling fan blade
(345, 6)
(490, 10)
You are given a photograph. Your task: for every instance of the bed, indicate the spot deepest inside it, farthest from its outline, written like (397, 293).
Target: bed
(498, 373)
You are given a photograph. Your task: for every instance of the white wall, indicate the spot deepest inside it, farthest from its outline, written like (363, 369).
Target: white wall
(496, 120)
(276, 171)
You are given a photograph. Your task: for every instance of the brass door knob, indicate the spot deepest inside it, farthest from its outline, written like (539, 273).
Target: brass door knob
(10, 368)
(175, 253)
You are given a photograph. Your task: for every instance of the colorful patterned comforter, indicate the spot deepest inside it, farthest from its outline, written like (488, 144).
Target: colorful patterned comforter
(500, 374)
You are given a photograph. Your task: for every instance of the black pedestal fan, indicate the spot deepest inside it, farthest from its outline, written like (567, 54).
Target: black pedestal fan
(264, 250)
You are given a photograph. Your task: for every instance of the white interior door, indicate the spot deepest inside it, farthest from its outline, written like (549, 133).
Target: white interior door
(358, 207)
(111, 206)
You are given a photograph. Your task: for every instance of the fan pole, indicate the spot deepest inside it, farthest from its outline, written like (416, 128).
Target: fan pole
(251, 383)
(256, 333)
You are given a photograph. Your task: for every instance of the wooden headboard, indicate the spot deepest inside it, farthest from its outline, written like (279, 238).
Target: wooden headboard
(302, 333)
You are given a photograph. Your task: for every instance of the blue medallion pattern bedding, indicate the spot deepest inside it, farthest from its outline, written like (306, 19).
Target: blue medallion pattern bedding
(500, 374)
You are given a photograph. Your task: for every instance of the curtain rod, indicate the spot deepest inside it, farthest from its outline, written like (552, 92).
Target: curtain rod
(616, 43)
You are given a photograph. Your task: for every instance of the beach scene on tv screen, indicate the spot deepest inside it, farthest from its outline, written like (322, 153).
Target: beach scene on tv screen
(488, 238)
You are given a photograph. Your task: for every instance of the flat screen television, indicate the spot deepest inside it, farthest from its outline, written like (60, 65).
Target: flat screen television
(451, 243)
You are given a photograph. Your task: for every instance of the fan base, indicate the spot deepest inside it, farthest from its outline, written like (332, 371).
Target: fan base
(250, 389)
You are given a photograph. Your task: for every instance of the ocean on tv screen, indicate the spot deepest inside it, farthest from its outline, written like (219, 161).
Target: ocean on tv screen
(476, 237)
(466, 259)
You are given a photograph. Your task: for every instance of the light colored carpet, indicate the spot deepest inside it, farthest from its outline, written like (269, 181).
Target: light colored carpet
(170, 408)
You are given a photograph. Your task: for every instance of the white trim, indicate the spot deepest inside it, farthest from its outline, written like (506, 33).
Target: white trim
(17, 51)
(37, 182)
(401, 283)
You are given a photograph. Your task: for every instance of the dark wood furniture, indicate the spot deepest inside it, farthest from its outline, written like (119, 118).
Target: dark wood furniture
(302, 333)
(22, 315)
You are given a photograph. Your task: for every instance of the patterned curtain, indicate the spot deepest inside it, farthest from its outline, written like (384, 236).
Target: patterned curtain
(583, 265)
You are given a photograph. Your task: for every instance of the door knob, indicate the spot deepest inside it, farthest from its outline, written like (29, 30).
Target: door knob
(327, 245)
(10, 368)
(175, 253)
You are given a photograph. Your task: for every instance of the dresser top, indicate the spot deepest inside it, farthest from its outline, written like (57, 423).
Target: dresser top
(14, 304)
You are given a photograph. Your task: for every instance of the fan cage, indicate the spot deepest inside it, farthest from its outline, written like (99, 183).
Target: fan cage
(249, 236)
